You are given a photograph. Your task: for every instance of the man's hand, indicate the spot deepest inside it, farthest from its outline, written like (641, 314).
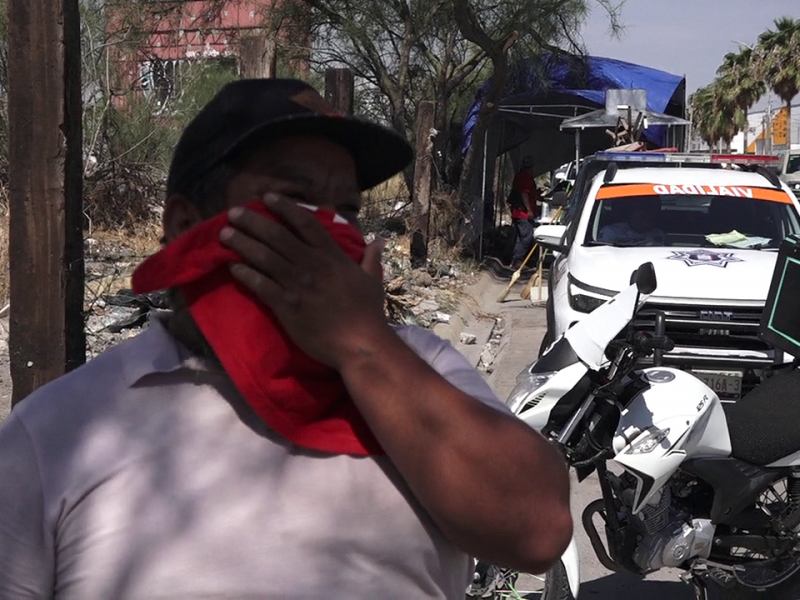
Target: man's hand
(494, 487)
(329, 305)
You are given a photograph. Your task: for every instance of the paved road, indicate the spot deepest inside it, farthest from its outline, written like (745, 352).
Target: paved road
(524, 329)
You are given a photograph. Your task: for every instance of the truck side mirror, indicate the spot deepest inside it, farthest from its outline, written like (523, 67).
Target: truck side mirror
(559, 198)
(645, 278)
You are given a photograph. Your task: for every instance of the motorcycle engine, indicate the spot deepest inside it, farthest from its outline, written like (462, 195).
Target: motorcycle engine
(667, 538)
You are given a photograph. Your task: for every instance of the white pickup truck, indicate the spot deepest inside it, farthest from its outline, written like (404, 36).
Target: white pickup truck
(712, 235)
(789, 169)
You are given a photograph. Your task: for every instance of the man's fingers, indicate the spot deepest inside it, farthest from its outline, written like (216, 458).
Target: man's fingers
(265, 289)
(301, 220)
(371, 263)
(258, 255)
(267, 231)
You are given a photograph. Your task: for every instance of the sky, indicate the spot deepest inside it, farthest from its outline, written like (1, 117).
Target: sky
(685, 37)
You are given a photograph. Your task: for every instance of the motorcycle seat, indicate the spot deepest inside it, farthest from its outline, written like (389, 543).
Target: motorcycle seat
(764, 425)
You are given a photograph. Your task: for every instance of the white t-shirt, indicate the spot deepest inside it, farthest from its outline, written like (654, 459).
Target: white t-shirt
(145, 475)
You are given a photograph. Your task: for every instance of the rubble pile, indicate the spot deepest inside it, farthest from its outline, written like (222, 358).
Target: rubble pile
(112, 312)
(413, 296)
(421, 297)
(492, 347)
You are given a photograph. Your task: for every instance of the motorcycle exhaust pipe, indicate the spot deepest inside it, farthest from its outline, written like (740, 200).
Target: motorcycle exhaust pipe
(594, 508)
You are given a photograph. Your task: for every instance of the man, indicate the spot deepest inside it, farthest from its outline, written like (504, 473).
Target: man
(523, 203)
(640, 227)
(147, 473)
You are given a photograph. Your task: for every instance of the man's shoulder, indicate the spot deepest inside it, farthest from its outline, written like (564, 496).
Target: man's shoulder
(433, 349)
(619, 228)
(423, 341)
(523, 179)
(450, 363)
(96, 381)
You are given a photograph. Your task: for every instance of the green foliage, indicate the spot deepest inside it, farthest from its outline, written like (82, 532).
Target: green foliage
(778, 58)
(720, 109)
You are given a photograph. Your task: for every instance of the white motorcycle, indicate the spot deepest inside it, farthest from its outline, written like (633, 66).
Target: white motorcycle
(713, 491)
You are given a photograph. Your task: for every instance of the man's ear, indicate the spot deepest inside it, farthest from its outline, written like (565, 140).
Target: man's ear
(180, 215)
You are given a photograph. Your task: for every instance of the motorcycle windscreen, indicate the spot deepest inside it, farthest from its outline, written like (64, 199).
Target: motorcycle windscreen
(558, 356)
(590, 336)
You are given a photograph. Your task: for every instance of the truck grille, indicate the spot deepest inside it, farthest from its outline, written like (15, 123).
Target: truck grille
(715, 335)
(720, 328)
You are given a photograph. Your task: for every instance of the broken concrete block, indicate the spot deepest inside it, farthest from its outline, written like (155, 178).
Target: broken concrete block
(468, 338)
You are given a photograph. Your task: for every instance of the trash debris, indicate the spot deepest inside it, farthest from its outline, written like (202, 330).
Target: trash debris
(488, 357)
(421, 278)
(423, 297)
(468, 339)
(126, 298)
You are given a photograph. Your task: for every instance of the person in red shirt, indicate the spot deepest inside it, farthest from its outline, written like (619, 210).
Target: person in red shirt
(522, 202)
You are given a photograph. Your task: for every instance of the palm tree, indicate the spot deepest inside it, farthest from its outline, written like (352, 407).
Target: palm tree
(715, 115)
(740, 83)
(778, 60)
(704, 120)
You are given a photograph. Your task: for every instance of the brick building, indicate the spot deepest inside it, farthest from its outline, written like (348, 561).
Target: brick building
(154, 41)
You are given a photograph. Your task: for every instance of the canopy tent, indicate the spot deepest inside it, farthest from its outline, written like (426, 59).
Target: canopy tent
(627, 110)
(542, 94)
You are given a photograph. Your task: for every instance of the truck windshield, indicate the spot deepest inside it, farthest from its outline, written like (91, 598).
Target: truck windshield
(691, 215)
(793, 166)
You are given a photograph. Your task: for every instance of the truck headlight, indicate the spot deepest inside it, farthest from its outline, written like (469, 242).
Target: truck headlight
(583, 300)
(524, 393)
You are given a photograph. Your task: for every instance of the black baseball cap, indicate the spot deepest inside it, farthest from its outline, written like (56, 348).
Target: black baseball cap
(252, 110)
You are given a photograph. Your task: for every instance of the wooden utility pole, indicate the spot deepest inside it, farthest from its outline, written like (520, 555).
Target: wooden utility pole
(258, 57)
(423, 178)
(46, 335)
(340, 89)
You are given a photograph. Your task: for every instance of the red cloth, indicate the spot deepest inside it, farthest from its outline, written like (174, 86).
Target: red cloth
(300, 398)
(525, 184)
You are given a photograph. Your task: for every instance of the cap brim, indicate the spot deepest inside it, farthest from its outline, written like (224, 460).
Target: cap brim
(379, 153)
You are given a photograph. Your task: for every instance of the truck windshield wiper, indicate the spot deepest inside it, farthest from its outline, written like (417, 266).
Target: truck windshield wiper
(596, 243)
(622, 244)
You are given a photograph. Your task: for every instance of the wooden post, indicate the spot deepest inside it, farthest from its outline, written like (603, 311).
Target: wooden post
(46, 335)
(271, 59)
(340, 89)
(423, 178)
(258, 57)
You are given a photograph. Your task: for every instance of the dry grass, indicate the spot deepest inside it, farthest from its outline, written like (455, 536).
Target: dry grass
(139, 241)
(384, 206)
(113, 254)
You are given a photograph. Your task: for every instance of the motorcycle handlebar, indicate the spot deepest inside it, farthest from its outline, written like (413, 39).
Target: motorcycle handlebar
(647, 344)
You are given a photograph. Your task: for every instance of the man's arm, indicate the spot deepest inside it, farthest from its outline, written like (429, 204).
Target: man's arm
(26, 555)
(495, 487)
(529, 204)
(528, 191)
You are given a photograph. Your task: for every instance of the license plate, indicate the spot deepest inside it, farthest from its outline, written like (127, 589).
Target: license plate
(726, 384)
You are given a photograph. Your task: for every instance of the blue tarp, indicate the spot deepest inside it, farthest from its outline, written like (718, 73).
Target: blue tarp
(583, 81)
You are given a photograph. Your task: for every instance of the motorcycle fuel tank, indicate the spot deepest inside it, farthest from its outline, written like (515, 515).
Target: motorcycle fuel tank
(675, 418)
